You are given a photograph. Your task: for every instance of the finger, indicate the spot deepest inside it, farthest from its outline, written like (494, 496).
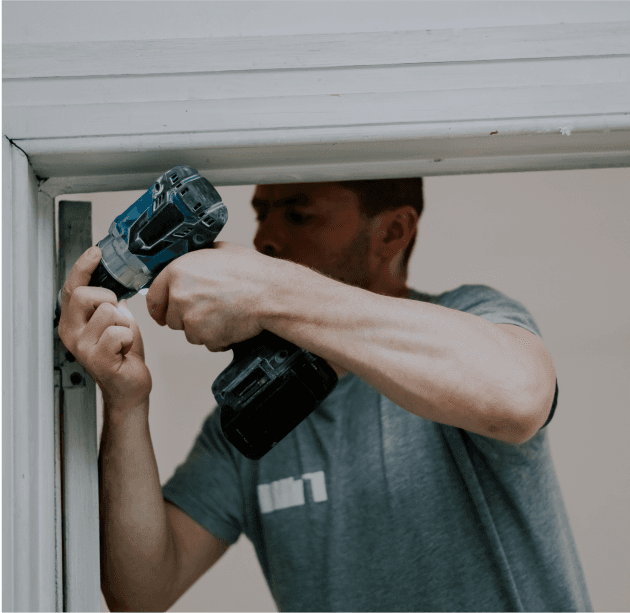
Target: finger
(81, 273)
(191, 338)
(138, 345)
(157, 297)
(84, 302)
(174, 319)
(105, 316)
(114, 341)
(122, 305)
(216, 348)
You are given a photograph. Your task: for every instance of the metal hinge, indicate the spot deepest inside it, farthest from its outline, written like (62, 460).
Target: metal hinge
(68, 372)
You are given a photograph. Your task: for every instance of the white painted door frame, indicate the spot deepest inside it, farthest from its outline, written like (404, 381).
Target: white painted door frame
(32, 565)
(50, 530)
(254, 109)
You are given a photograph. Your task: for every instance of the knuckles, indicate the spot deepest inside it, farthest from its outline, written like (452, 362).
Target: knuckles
(84, 293)
(215, 347)
(108, 308)
(105, 313)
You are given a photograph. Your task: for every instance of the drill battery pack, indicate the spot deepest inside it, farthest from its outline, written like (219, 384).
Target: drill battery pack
(270, 388)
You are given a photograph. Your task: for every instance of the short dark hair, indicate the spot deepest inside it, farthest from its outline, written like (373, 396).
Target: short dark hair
(379, 195)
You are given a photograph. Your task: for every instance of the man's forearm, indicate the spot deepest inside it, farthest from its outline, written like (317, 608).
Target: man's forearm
(137, 551)
(441, 364)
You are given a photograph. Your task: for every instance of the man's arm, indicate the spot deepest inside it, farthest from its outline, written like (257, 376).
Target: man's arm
(151, 552)
(444, 365)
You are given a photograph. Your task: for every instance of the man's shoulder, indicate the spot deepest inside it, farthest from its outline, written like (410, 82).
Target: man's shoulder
(484, 301)
(466, 295)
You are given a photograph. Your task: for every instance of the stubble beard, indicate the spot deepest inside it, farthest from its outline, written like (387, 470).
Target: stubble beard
(351, 267)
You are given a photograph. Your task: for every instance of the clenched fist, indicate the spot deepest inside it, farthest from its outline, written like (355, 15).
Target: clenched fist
(217, 296)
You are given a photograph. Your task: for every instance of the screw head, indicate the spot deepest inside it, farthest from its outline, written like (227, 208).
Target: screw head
(75, 378)
(281, 356)
(70, 357)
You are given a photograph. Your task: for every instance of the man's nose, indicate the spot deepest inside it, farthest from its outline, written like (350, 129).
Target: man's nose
(269, 248)
(269, 239)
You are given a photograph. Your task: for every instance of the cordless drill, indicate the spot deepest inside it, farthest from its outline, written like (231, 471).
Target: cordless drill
(271, 385)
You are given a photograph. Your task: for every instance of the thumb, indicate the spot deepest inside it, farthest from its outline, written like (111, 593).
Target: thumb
(81, 272)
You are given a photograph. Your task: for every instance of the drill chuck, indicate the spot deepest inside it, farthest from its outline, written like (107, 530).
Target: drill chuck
(119, 269)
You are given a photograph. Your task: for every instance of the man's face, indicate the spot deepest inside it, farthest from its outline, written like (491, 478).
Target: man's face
(318, 225)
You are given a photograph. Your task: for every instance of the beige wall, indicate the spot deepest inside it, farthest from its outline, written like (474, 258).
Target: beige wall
(558, 242)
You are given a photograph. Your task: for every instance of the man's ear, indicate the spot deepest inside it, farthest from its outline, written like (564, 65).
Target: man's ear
(394, 230)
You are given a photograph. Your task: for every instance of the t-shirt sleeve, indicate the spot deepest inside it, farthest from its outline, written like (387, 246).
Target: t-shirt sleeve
(497, 308)
(491, 304)
(207, 485)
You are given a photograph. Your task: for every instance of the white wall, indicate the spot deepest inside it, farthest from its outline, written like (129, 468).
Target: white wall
(557, 241)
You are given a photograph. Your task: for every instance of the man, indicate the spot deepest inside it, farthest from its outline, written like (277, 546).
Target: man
(423, 482)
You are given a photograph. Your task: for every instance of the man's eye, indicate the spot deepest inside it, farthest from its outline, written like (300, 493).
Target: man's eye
(292, 216)
(298, 218)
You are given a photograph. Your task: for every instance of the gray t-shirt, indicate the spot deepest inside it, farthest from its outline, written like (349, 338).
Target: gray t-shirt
(367, 507)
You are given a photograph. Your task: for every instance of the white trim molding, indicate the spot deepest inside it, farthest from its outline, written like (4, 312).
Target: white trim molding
(307, 107)
(31, 553)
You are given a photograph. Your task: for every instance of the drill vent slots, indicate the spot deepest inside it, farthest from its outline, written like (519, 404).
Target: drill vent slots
(207, 220)
(158, 202)
(182, 232)
(175, 181)
(194, 208)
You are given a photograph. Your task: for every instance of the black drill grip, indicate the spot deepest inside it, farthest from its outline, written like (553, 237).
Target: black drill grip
(102, 278)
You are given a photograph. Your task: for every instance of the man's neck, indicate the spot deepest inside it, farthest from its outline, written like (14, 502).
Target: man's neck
(389, 281)
(397, 290)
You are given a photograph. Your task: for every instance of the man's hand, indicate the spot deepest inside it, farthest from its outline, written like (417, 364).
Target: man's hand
(216, 296)
(106, 342)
